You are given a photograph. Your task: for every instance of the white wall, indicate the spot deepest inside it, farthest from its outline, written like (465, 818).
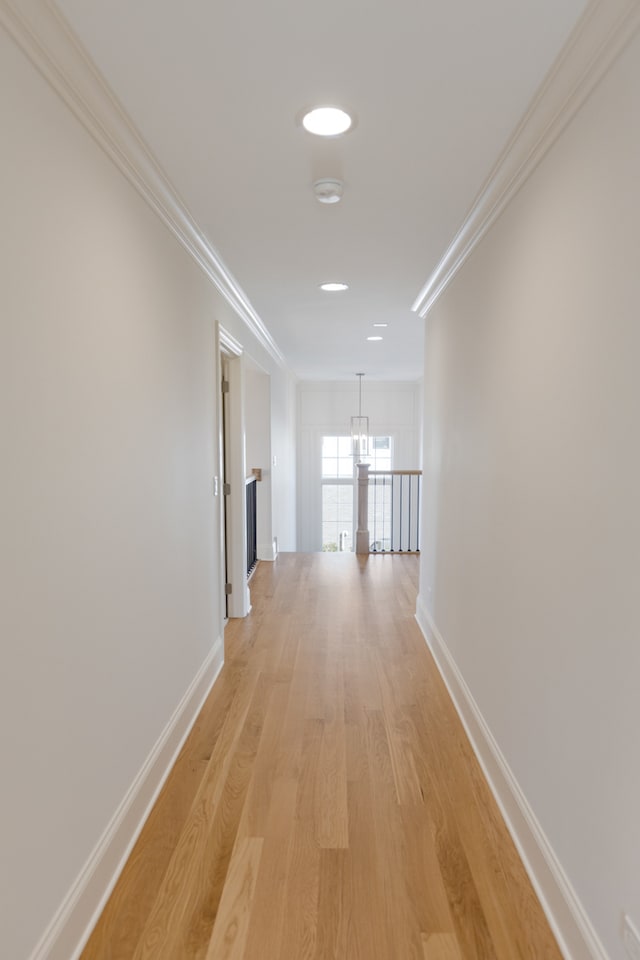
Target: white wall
(110, 559)
(283, 471)
(258, 439)
(532, 477)
(326, 408)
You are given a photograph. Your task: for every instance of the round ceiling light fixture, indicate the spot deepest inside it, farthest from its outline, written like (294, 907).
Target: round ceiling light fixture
(327, 121)
(334, 287)
(328, 190)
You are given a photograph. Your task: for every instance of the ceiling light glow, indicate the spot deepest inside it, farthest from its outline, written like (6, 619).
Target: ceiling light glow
(327, 121)
(381, 324)
(334, 287)
(374, 338)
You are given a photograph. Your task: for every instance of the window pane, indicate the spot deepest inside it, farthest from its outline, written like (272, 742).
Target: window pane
(344, 447)
(337, 516)
(381, 457)
(329, 446)
(337, 460)
(345, 467)
(329, 466)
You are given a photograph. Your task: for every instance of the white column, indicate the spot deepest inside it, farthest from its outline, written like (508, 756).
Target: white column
(362, 533)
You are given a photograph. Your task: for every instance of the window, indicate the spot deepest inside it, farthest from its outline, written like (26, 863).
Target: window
(338, 487)
(337, 461)
(337, 517)
(380, 457)
(337, 494)
(381, 496)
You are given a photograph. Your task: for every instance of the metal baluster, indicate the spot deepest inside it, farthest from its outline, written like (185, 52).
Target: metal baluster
(401, 486)
(375, 514)
(410, 493)
(384, 498)
(391, 542)
(418, 479)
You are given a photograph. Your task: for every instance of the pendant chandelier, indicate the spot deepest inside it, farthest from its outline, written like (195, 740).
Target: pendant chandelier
(360, 427)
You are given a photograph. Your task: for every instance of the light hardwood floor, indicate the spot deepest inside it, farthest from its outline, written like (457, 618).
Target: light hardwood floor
(327, 804)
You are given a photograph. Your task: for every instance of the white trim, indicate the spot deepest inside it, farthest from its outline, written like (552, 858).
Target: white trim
(228, 344)
(44, 35)
(238, 601)
(599, 37)
(266, 552)
(71, 926)
(571, 926)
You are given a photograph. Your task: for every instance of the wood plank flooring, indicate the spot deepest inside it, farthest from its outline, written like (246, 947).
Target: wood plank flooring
(327, 804)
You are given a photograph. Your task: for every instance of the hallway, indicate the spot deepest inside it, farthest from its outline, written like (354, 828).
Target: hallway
(327, 803)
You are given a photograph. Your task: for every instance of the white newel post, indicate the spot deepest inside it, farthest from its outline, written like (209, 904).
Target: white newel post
(362, 533)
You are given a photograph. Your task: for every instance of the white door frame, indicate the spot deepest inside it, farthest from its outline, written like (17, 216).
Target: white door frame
(239, 600)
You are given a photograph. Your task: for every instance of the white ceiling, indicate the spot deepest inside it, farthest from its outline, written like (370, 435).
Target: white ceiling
(215, 87)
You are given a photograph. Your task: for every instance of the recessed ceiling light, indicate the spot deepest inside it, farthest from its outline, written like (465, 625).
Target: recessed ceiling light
(374, 338)
(380, 324)
(334, 287)
(327, 121)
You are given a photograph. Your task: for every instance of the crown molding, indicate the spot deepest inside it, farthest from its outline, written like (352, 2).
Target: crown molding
(44, 35)
(599, 37)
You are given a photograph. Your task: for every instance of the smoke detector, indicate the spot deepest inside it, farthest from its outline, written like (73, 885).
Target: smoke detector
(328, 190)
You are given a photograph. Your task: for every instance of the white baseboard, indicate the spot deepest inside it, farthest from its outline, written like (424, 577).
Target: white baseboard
(266, 551)
(570, 924)
(71, 926)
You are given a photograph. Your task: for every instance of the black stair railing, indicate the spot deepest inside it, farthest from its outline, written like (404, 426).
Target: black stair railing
(389, 517)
